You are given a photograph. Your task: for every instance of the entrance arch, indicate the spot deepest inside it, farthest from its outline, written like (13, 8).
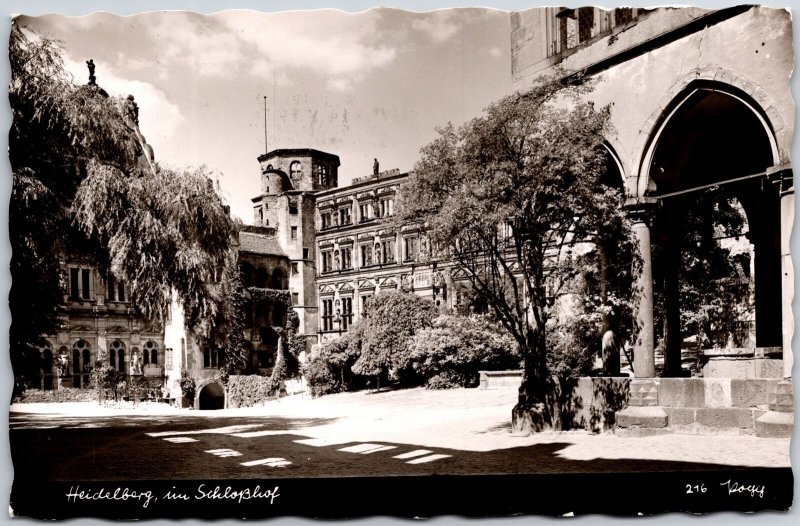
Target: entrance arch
(709, 156)
(211, 396)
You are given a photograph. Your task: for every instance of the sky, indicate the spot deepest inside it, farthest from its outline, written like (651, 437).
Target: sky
(366, 85)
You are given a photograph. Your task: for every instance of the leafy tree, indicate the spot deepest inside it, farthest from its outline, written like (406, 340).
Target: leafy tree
(454, 349)
(84, 183)
(330, 370)
(390, 320)
(506, 196)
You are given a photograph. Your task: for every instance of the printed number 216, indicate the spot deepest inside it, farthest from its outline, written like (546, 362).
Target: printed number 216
(697, 488)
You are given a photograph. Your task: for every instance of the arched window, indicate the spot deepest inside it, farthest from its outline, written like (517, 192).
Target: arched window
(80, 348)
(46, 355)
(151, 349)
(246, 274)
(260, 279)
(121, 359)
(116, 350)
(277, 279)
(87, 360)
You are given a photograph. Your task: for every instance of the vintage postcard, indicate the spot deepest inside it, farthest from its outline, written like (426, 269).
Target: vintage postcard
(466, 262)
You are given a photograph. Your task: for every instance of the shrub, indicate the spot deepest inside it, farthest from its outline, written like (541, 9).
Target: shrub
(188, 386)
(330, 369)
(250, 390)
(390, 321)
(452, 351)
(106, 381)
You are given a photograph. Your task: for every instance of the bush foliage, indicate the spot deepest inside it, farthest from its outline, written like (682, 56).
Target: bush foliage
(452, 351)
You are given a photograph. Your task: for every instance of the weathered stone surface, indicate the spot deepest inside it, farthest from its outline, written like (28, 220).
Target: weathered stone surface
(717, 392)
(728, 368)
(638, 432)
(773, 424)
(781, 398)
(643, 392)
(768, 368)
(680, 416)
(725, 417)
(681, 392)
(748, 393)
(637, 416)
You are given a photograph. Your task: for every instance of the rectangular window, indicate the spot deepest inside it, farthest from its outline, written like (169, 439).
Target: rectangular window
(293, 206)
(295, 269)
(365, 211)
(306, 253)
(112, 288)
(387, 247)
(74, 285)
(412, 248)
(327, 261)
(344, 216)
(347, 258)
(366, 255)
(326, 220)
(120, 291)
(295, 298)
(347, 313)
(364, 304)
(294, 232)
(85, 287)
(168, 357)
(327, 315)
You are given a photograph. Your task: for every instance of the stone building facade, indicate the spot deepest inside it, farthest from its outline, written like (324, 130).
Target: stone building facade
(699, 100)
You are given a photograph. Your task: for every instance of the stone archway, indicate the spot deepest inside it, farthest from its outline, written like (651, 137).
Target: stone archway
(713, 142)
(211, 395)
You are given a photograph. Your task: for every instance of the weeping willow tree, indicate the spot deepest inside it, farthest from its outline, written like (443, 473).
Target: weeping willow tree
(84, 183)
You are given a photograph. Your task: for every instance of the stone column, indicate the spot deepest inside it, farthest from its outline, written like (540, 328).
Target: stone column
(782, 177)
(640, 211)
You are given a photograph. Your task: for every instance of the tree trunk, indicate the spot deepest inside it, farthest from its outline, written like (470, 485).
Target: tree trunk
(610, 345)
(536, 404)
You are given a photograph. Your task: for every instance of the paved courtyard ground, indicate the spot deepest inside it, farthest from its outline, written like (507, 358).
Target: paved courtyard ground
(467, 420)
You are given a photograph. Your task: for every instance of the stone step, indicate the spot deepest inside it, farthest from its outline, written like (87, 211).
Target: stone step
(640, 432)
(652, 417)
(775, 424)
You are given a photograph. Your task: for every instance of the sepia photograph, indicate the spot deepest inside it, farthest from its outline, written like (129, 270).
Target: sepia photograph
(473, 261)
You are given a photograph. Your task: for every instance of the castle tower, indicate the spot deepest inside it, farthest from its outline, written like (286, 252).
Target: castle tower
(289, 180)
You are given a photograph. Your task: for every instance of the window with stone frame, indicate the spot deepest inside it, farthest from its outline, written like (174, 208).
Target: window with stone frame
(365, 212)
(325, 220)
(344, 216)
(150, 353)
(327, 261)
(347, 312)
(347, 258)
(115, 289)
(411, 248)
(366, 255)
(327, 315)
(80, 283)
(387, 247)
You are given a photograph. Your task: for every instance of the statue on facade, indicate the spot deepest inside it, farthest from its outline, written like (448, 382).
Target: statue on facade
(92, 78)
(375, 167)
(136, 364)
(62, 364)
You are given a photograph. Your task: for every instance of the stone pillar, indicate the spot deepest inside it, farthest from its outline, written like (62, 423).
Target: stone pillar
(640, 211)
(782, 177)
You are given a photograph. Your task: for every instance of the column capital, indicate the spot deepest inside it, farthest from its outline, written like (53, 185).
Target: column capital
(640, 209)
(782, 177)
